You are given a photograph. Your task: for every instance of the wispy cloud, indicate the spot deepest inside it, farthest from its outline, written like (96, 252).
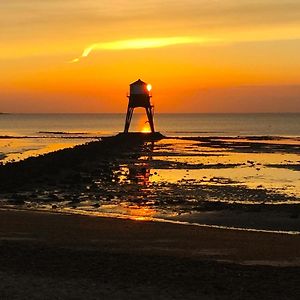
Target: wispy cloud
(145, 43)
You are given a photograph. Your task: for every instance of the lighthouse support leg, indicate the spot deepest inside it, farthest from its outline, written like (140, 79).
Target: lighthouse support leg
(150, 118)
(128, 118)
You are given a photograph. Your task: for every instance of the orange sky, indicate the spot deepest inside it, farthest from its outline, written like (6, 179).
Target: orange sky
(199, 55)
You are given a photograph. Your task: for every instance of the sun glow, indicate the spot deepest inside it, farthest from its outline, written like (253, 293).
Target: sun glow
(149, 87)
(146, 128)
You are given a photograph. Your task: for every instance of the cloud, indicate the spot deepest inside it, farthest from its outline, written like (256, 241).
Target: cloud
(145, 43)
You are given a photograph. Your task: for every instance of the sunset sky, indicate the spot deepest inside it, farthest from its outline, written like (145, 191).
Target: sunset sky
(199, 55)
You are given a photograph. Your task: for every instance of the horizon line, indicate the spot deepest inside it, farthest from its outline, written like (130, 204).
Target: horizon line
(157, 113)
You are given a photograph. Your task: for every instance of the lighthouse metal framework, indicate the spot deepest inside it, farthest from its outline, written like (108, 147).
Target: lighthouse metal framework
(139, 97)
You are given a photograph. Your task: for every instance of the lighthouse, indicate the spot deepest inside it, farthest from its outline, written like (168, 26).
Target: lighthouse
(139, 96)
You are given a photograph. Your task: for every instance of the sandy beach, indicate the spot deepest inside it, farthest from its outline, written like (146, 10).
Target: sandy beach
(55, 256)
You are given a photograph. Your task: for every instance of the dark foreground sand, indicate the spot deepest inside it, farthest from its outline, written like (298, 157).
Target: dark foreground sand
(53, 256)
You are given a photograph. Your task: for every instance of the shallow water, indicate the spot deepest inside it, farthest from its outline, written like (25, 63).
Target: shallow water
(189, 180)
(184, 161)
(22, 148)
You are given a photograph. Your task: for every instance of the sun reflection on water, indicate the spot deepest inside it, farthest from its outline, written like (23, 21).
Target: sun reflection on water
(146, 128)
(141, 213)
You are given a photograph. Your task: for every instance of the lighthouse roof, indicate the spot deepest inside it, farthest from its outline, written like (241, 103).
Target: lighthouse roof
(138, 82)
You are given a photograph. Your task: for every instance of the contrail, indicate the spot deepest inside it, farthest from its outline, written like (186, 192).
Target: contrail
(144, 44)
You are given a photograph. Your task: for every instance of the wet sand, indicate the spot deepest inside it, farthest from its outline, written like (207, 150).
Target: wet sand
(56, 256)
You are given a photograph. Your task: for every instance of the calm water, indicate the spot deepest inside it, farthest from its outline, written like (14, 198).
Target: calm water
(178, 176)
(25, 135)
(169, 124)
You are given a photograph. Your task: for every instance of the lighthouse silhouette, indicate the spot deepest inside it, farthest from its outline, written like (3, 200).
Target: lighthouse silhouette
(139, 96)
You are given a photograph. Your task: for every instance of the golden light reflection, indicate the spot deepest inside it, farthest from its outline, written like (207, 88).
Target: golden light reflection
(213, 169)
(143, 123)
(146, 128)
(141, 213)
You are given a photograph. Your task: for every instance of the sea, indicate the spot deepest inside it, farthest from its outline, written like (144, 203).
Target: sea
(285, 124)
(24, 135)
